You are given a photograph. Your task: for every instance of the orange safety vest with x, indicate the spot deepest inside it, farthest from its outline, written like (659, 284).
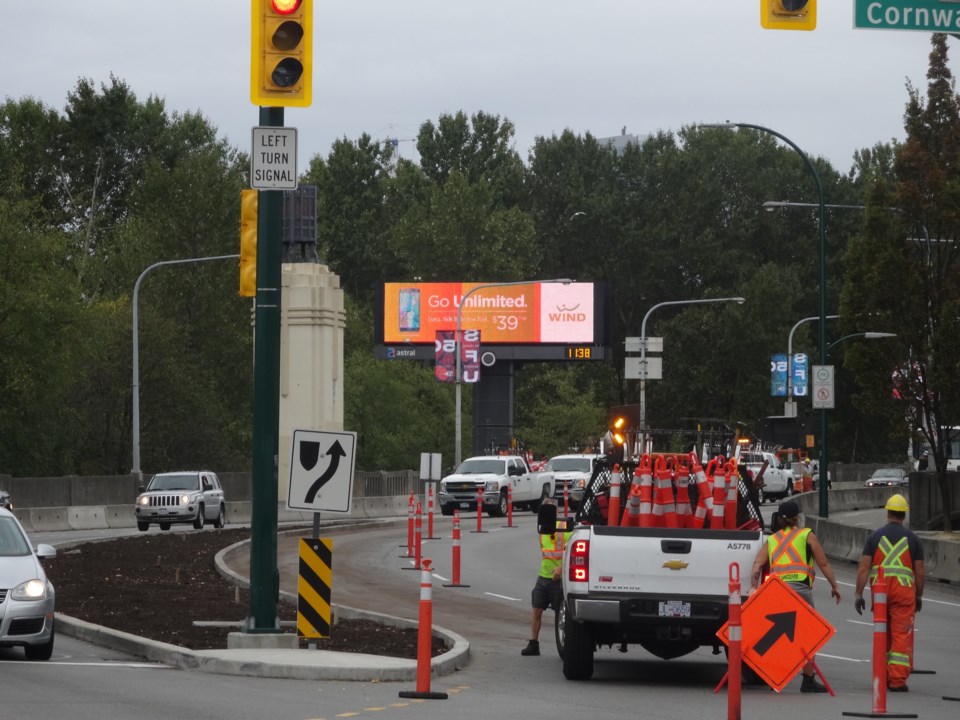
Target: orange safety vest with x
(788, 555)
(896, 561)
(551, 553)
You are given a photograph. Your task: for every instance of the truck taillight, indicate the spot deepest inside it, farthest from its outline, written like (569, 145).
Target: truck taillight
(580, 561)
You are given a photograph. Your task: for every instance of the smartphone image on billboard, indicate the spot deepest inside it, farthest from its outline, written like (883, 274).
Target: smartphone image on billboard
(410, 310)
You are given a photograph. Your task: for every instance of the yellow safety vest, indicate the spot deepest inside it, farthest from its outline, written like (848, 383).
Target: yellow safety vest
(788, 555)
(551, 553)
(893, 561)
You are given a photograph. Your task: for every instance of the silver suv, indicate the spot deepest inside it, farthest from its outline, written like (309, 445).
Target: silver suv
(181, 497)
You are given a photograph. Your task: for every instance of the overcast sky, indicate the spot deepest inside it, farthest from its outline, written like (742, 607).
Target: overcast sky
(386, 66)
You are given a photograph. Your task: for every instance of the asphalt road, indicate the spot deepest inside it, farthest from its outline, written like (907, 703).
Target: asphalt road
(83, 681)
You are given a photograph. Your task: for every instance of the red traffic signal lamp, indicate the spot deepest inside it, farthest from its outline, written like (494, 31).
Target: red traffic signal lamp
(788, 14)
(281, 53)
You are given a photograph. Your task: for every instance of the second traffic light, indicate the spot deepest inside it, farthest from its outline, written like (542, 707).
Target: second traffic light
(281, 53)
(788, 14)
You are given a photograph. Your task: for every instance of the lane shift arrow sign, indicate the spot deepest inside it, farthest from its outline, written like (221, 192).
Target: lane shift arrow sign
(784, 623)
(335, 452)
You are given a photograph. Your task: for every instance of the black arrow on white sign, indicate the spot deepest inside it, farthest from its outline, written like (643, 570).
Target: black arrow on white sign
(335, 452)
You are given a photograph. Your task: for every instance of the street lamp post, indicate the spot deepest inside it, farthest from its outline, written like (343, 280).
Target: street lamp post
(136, 353)
(823, 512)
(643, 355)
(458, 420)
(789, 405)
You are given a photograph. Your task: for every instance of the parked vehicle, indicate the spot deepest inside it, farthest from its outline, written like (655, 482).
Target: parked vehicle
(666, 589)
(193, 496)
(777, 480)
(888, 477)
(26, 595)
(572, 472)
(5, 501)
(493, 475)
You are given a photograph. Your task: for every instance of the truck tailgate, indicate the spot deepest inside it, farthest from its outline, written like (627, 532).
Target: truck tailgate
(683, 562)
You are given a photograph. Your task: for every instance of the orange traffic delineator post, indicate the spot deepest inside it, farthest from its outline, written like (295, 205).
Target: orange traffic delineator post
(613, 512)
(410, 505)
(566, 500)
(430, 507)
(644, 516)
(424, 639)
(734, 653)
(479, 511)
(704, 496)
(456, 552)
(417, 538)
(509, 507)
(878, 594)
(719, 498)
(684, 512)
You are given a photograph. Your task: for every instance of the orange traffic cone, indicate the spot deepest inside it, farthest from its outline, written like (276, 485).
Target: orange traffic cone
(645, 514)
(664, 510)
(684, 511)
(719, 496)
(704, 494)
(730, 514)
(613, 510)
(631, 511)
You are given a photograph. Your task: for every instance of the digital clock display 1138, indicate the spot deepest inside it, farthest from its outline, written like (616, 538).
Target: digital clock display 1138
(578, 353)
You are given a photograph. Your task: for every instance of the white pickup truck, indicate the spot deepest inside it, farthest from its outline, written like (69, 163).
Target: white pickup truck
(777, 479)
(494, 474)
(666, 590)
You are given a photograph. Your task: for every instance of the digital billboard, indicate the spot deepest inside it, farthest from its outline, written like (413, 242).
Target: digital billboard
(528, 321)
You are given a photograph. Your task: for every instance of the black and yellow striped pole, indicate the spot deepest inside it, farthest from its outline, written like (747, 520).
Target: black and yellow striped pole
(314, 585)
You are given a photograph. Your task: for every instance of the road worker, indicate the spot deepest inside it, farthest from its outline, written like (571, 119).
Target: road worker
(788, 555)
(900, 553)
(548, 591)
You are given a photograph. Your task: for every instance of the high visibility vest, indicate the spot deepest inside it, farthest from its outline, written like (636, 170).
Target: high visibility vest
(787, 550)
(895, 560)
(551, 553)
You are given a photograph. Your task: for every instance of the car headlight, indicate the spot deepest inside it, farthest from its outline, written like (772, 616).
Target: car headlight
(186, 499)
(491, 486)
(35, 589)
(143, 500)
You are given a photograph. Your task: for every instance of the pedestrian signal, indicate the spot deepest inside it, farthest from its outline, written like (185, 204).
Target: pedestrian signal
(281, 53)
(788, 14)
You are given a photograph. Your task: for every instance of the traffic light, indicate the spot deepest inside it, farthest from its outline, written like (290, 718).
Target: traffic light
(788, 14)
(618, 430)
(281, 53)
(248, 242)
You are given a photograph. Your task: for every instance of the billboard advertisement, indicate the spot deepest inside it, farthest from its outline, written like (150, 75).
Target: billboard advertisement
(413, 313)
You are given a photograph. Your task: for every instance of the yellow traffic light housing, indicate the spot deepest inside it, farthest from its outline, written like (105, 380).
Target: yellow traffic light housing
(788, 14)
(248, 242)
(281, 53)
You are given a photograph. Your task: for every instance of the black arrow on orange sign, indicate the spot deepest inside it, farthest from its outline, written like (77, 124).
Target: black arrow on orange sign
(784, 623)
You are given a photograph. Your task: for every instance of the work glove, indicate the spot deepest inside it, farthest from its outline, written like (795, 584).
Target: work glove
(919, 603)
(860, 604)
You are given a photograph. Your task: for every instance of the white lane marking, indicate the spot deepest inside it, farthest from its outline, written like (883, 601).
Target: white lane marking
(860, 622)
(840, 657)
(504, 597)
(439, 577)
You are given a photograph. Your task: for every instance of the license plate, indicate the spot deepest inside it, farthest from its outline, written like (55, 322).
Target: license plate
(464, 505)
(674, 608)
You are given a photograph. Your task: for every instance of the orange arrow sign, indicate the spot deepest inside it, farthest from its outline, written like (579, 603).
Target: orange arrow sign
(781, 632)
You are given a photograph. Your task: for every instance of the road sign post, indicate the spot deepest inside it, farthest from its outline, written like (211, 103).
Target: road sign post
(780, 632)
(822, 388)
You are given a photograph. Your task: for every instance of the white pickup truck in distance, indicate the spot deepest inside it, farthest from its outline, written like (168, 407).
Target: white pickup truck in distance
(777, 480)
(494, 474)
(572, 472)
(665, 589)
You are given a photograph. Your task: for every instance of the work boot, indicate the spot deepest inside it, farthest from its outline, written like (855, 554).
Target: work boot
(810, 685)
(532, 648)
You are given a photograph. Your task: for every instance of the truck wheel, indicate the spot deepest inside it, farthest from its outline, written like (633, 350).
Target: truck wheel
(142, 526)
(559, 627)
(446, 510)
(544, 494)
(199, 520)
(500, 509)
(578, 650)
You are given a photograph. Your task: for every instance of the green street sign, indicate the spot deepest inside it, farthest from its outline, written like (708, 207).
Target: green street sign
(922, 15)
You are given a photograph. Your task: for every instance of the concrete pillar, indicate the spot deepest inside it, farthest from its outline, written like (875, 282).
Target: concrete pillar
(311, 357)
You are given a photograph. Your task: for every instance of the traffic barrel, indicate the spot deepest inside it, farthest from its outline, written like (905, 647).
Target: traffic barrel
(425, 639)
(613, 511)
(456, 552)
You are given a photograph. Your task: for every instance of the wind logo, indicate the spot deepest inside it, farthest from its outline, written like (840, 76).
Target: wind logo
(567, 314)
